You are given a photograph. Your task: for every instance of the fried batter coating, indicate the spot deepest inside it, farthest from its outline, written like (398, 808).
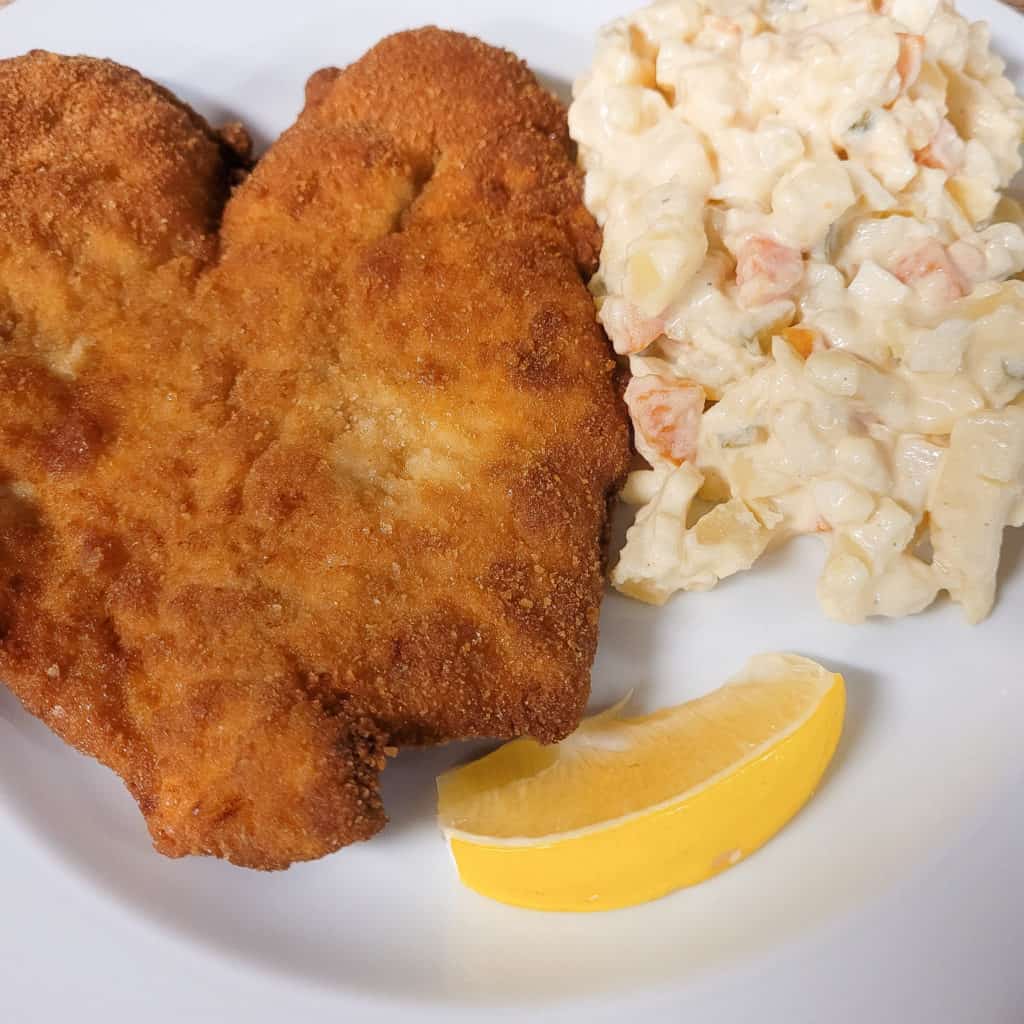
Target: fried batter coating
(290, 477)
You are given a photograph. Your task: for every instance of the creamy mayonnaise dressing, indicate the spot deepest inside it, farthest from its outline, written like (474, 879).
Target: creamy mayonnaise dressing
(808, 259)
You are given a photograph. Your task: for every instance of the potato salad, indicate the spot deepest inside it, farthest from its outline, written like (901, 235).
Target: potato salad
(812, 266)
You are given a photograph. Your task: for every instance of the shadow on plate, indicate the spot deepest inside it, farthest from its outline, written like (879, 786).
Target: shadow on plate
(1011, 560)
(218, 115)
(863, 694)
(557, 84)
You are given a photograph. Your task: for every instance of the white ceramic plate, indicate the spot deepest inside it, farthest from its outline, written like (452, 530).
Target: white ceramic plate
(895, 896)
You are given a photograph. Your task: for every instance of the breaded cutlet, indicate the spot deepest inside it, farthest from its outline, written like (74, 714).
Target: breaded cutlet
(303, 468)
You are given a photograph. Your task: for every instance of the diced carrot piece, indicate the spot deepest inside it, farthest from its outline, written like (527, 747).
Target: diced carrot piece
(629, 330)
(927, 260)
(667, 413)
(767, 270)
(801, 338)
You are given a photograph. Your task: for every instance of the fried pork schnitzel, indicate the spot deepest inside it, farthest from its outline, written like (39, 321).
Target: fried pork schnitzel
(298, 472)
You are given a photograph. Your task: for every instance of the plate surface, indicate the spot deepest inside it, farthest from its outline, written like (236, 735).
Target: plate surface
(895, 896)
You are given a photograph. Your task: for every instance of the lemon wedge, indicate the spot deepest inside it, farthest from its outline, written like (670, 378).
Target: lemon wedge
(628, 809)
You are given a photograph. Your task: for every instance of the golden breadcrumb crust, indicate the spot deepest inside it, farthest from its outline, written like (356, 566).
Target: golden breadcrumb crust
(297, 472)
